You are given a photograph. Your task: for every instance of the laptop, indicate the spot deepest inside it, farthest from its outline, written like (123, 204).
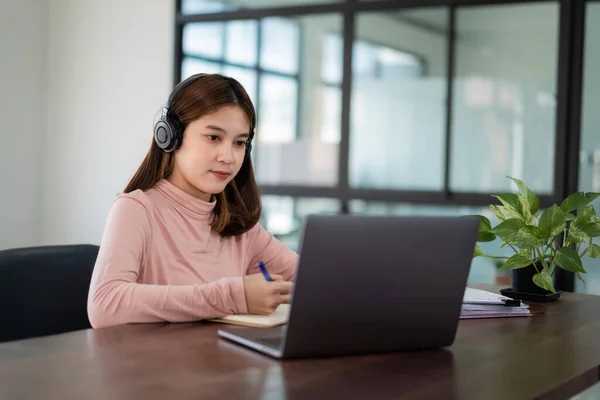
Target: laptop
(371, 284)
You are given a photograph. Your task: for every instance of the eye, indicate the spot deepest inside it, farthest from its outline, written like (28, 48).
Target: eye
(240, 143)
(212, 138)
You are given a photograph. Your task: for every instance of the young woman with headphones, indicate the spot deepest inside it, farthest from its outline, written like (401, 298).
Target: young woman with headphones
(183, 242)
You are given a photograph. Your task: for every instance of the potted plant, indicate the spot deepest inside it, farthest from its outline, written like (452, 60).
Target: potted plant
(558, 237)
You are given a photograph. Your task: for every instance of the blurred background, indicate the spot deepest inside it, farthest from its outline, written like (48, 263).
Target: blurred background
(367, 107)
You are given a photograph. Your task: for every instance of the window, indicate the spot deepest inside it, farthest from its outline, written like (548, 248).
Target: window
(443, 101)
(265, 66)
(504, 111)
(216, 6)
(589, 167)
(397, 118)
(284, 216)
(371, 62)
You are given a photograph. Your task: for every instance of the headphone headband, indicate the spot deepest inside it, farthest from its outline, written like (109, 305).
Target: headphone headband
(179, 88)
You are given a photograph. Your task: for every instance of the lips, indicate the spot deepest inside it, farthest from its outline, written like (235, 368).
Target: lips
(221, 174)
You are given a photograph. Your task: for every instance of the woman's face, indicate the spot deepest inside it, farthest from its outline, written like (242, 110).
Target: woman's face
(211, 153)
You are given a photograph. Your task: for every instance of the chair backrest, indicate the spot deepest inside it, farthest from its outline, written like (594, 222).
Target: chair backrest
(44, 289)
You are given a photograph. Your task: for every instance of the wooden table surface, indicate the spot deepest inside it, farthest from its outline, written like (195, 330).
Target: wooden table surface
(554, 354)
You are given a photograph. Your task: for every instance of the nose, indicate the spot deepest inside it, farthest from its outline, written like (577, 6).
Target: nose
(225, 154)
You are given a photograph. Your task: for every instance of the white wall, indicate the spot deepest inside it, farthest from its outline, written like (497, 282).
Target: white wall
(110, 65)
(23, 50)
(81, 84)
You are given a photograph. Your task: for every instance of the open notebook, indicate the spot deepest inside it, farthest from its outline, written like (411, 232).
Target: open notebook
(278, 317)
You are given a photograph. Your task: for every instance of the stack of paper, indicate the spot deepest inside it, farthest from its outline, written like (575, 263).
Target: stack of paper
(481, 304)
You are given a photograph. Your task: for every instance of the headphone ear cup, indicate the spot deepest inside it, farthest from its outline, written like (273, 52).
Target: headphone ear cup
(166, 136)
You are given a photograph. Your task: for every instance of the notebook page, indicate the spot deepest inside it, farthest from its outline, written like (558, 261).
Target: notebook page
(278, 317)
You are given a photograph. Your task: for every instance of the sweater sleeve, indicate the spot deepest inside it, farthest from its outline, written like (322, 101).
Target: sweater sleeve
(278, 258)
(116, 298)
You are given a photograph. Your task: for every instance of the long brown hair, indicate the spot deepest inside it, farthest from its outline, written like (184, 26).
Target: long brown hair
(238, 207)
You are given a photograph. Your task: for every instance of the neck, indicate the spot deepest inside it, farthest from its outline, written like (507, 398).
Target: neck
(183, 185)
(186, 202)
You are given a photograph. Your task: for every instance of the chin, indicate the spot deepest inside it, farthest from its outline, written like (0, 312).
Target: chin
(214, 189)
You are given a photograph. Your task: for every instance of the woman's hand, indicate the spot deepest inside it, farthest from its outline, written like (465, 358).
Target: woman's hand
(263, 297)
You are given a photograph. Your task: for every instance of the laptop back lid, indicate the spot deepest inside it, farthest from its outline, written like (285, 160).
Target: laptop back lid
(368, 284)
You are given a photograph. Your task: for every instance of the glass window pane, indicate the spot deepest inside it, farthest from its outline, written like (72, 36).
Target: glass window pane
(191, 66)
(204, 6)
(297, 137)
(483, 270)
(331, 105)
(277, 109)
(246, 76)
(203, 39)
(241, 42)
(331, 63)
(284, 216)
(589, 167)
(212, 6)
(397, 125)
(279, 45)
(504, 106)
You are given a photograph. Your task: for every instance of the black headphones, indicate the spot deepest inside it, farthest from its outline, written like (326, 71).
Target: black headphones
(168, 131)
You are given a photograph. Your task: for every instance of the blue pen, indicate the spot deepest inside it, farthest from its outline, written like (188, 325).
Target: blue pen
(264, 271)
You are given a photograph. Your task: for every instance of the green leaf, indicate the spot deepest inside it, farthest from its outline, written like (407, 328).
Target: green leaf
(478, 252)
(508, 228)
(569, 217)
(519, 260)
(577, 236)
(529, 237)
(512, 201)
(592, 229)
(552, 222)
(569, 260)
(544, 280)
(594, 251)
(585, 215)
(484, 234)
(532, 199)
(577, 200)
(503, 213)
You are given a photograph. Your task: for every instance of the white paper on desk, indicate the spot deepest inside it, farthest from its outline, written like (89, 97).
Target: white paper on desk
(477, 296)
(494, 315)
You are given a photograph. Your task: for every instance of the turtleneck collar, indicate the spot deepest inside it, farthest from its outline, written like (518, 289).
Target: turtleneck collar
(200, 208)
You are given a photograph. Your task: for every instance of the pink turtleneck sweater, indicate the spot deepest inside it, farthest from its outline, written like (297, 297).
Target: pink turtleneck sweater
(159, 260)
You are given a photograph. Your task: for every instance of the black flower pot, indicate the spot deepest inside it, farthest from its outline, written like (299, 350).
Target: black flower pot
(523, 288)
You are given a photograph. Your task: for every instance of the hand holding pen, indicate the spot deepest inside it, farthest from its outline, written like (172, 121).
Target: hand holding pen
(265, 292)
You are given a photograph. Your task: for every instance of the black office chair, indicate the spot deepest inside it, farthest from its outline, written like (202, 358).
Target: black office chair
(43, 290)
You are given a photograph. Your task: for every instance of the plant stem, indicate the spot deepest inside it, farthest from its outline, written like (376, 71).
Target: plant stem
(512, 247)
(543, 261)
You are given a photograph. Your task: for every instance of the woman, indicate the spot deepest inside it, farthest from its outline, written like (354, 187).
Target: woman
(183, 241)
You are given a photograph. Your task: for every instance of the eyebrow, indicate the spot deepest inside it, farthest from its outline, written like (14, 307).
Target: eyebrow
(219, 129)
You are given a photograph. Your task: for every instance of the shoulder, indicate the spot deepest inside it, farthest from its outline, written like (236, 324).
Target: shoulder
(132, 206)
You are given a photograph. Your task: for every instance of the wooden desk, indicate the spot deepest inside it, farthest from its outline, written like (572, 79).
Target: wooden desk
(554, 354)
